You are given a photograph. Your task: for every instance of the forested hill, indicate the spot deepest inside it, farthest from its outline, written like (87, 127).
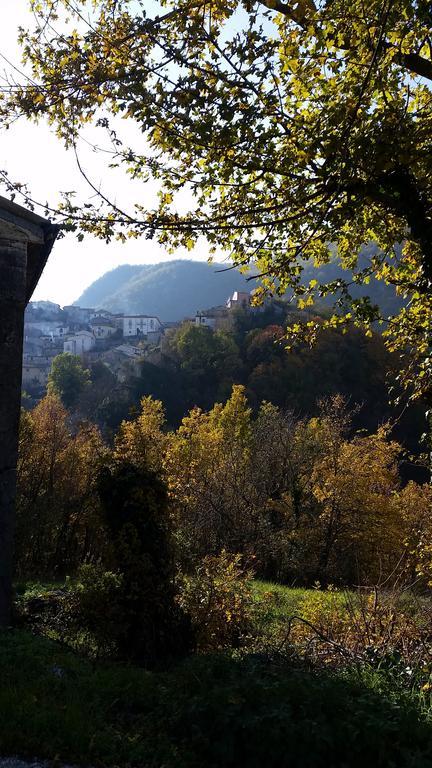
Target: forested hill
(171, 290)
(176, 289)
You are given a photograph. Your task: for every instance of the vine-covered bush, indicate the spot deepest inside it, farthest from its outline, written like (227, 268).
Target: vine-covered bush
(150, 623)
(126, 606)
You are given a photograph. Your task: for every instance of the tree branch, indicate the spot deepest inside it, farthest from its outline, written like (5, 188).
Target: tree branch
(415, 63)
(301, 12)
(399, 192)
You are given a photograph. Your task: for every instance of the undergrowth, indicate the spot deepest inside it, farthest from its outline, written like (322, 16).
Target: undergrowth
(214, 711)
(320, 678)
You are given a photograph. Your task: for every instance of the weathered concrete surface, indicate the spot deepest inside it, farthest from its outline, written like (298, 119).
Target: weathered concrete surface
(13, 286)
(25, 243)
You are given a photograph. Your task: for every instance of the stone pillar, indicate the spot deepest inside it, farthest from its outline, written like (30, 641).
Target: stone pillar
(13, 278)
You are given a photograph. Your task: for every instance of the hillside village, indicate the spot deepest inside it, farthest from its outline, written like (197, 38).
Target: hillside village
(120, 341)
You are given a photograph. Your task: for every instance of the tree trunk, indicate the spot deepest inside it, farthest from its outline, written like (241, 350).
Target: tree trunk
(13, 281)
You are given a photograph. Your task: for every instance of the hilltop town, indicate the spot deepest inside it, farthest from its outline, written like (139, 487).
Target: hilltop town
(121, 341)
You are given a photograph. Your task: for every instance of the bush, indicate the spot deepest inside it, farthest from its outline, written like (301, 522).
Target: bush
(218, 599)
(376, 628)
(125, 607)
(84, 613)
(40, 607)
(150, 624)
(91, 611)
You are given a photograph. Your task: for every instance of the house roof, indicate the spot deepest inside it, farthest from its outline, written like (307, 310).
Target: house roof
(104, 312)
(40, 234)
(221, 308)
(102, 321)
(83, 333)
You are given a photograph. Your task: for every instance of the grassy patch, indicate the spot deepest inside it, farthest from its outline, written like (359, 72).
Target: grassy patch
(25, 590)
(212, 711)
(276, 603)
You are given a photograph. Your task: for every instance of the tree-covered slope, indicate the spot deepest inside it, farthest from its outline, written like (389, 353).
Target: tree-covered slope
(176, 289)
(171, 290)
(97, 293)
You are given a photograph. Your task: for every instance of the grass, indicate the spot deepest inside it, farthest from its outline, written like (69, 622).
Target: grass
(213, 711)
(277, 603)
(27, 589)
(286, 599)
(250, 708)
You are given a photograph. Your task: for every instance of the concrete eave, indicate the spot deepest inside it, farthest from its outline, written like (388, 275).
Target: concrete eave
(40, 234)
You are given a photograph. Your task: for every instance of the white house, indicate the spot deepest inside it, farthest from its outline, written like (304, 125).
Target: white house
(239, 300)
(102, 314)
(205, 321)
(215, 318)
(79, 343)
(102, 327)
(48, 328)
(48, 308)
(142, 325)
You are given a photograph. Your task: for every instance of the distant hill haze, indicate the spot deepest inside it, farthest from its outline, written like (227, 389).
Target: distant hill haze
(171, 290)
(176, 289)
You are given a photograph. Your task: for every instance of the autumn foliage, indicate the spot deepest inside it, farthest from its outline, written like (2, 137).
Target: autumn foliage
(300, 499)
(57, 509)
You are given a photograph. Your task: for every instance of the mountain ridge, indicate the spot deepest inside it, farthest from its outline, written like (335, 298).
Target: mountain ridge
(173, 290)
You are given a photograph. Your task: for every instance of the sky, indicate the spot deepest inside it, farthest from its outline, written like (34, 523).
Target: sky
(32, 153)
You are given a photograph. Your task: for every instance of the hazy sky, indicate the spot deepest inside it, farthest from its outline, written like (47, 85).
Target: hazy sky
(31, 153)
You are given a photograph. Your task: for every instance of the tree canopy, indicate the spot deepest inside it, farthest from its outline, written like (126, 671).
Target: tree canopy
(67, 378)
(297, 128)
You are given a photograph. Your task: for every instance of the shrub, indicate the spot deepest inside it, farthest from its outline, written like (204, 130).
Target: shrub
(39, 607)
(150, 623)
(91, 611)
(125, 607)
(218, 599)
(84, 613)
(383, 629)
